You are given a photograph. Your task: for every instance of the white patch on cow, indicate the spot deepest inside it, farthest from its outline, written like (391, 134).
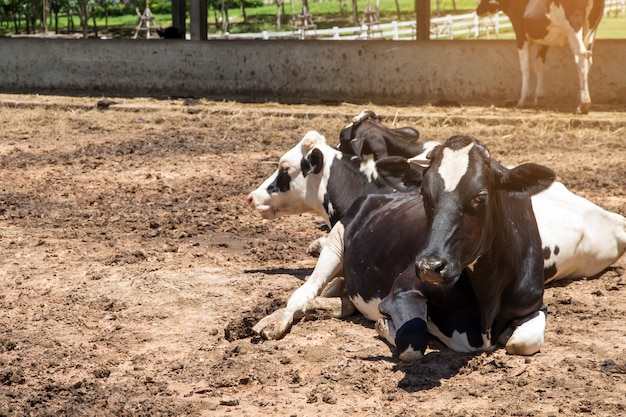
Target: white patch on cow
(558, 28)
(453, 166)
(588, 238)
(331, 209)
(368, 168)
(368, 308)
(487, 340)
(527, 338)
(458, 342)
(410, 355)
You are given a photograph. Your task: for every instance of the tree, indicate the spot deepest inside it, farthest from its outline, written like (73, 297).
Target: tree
(106, 4)
(279, 9)
(355, 12)
(86, 10)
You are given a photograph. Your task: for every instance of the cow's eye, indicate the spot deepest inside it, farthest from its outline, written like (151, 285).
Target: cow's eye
(480, 198)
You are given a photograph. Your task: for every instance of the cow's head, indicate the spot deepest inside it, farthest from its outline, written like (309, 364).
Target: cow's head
(464, 191)
(366, 137)
(487, 7)
(349, 143)
(298, 185)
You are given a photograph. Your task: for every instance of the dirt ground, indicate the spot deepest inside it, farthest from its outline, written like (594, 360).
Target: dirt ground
(132, 269)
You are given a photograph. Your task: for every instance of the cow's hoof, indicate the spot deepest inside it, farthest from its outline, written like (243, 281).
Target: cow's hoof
(411, 340)
(385, 329)
(527, 338)
(583, 108)
(275, 325)
(315, 248)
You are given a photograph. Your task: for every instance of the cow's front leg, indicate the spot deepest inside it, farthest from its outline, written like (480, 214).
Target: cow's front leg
(527, 335)
(321, 308)
(329, 265)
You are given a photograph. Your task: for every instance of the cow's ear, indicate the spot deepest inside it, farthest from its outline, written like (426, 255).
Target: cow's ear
(357, 146)
(313, 162)
(526, 180)
(400, 174)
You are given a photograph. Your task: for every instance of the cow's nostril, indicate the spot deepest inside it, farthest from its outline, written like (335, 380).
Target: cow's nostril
(249, 199)
(431, 263)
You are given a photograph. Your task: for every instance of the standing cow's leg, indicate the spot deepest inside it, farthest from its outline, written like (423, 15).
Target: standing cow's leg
(540, 63)
(582, 57)
(329, 265)
(524, 61)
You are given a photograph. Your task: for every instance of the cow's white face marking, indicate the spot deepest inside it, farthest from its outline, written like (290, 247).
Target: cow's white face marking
(453, 166)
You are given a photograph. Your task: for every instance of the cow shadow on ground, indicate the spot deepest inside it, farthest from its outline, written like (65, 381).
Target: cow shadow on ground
(300, 273)
(438, 364)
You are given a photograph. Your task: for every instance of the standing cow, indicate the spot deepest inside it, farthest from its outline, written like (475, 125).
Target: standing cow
(551, 23)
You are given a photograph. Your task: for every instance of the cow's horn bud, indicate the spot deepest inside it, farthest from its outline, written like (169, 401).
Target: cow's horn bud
(308, 143)
(285, 165)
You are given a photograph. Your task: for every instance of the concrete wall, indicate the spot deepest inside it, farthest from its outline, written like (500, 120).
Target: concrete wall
(384, 72)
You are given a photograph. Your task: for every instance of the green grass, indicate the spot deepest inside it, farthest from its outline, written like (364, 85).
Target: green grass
(612, 28)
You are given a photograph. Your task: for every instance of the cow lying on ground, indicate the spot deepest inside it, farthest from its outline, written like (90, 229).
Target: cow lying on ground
(551, 23)
(471, 204)
(579, 239)
(368, 138)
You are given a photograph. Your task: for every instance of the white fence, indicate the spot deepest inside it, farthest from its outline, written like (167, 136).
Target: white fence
(448, 27)
(463, 26)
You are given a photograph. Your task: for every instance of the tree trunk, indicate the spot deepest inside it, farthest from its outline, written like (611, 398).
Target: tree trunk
(355, 12)
(95, 26)
(279, 9)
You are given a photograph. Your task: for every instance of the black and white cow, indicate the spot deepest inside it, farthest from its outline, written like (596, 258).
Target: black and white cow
(579, 238)
(551, 23)
(315, 177)
(468, 303)
(368, 138)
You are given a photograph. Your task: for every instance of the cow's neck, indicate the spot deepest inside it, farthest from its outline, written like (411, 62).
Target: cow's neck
(348, 182)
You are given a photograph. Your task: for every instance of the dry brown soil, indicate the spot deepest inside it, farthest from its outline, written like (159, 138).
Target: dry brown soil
(132, 269)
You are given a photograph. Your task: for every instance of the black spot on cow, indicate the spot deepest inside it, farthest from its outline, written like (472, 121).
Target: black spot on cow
(549, 271)
(283, 180)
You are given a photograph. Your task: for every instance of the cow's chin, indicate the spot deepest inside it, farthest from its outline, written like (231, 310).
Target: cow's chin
(267, 212)
(438, 278)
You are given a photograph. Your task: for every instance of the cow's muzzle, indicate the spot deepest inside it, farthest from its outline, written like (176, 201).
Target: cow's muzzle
(435, 270)
(266, 211)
